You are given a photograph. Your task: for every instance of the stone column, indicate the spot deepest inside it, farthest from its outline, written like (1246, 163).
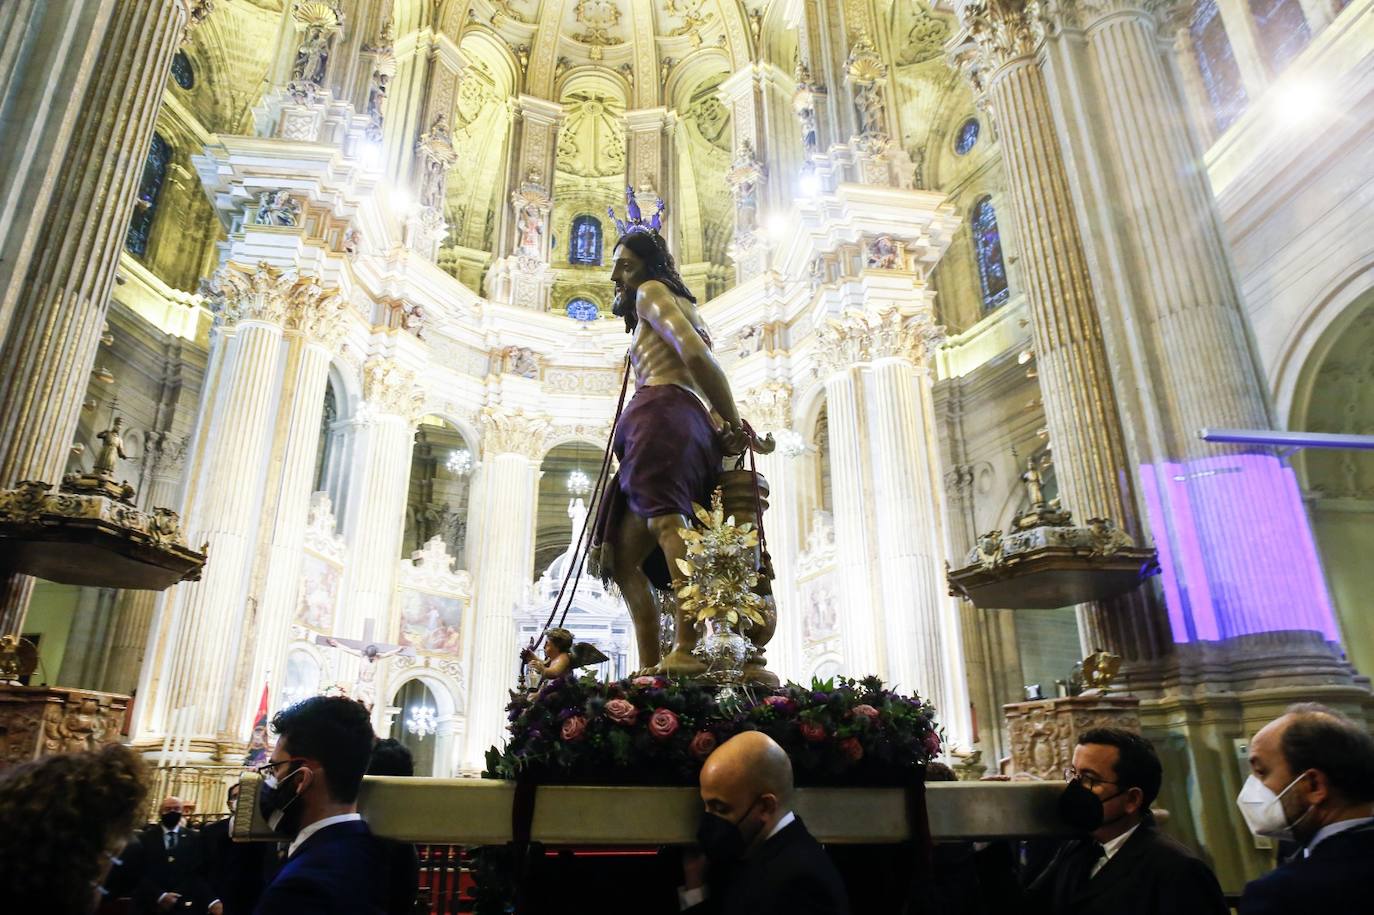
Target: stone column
(769, 409)
(134, 610)
(1234, 542)
(503, 510)
(861, 610)
(377, 508)
(61, 278)
(232, 444)
(916, 622)
(312, 337)
(1081, 409)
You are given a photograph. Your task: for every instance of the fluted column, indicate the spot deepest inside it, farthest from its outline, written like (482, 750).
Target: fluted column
(51, 314)
(1081, 410)
(503, 511)
(861, 610)
(232, 444)
(134, 609)
(377, 509)
(769, 409)
(311, 342)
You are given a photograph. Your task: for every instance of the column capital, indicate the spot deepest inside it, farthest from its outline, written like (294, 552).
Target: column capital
(769, 406)
(1003, 30)
(389, 388)
(269, 295)
(513, 432)
(858, 337)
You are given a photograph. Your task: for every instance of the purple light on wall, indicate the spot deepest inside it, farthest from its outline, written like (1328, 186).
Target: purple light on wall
(1236, 551)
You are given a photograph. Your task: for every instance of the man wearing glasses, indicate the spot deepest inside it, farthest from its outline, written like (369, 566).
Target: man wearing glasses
(1124, 866)
(309, 795)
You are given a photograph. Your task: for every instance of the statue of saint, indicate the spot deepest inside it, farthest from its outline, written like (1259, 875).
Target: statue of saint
(111, 450)
(1034, 488)
(670, 440)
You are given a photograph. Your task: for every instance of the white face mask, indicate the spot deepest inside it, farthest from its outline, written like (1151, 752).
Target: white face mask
(1263, 809)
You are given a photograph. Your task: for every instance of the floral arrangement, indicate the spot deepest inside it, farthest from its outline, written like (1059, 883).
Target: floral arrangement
(720, 568)
(651, 731)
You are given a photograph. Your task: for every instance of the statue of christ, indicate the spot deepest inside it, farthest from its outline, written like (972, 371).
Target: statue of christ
(670, 440)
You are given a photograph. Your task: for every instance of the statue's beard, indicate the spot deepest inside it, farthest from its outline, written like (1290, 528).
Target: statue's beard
(622, 306)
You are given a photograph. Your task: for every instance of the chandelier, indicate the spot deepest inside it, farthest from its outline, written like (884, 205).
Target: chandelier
(459, 462)
(579, 484)
(422, 721)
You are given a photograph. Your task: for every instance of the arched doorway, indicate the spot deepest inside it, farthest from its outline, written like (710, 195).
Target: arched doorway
(416, 724)
(1335, 394)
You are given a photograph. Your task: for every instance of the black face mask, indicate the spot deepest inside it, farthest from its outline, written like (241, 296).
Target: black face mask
(720, 839)
(280, 806)
(171, 818)
(1080, 808)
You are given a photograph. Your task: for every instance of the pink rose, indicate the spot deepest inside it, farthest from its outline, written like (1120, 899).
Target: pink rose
(622, 711)
(931, 743)
(813, 731)
(851, 749)
(780, 703)
(645, 681)
(703, 742)
(574, 728)
(663, 723)
(864, 711)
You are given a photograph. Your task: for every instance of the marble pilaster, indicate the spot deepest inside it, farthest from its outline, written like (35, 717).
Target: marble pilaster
(69, 247)
(521, 275)
(503, 509)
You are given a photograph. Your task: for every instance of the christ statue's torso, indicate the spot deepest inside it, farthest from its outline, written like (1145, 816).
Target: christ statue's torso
(654, 359)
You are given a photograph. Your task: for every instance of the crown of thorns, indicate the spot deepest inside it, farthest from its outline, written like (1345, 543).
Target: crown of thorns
(635, 221)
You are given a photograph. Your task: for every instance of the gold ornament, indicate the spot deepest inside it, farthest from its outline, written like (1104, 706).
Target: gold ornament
(720, 571)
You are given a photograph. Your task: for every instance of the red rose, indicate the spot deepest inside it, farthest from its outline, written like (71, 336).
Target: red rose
(703, 742)
(813, 731)
(574, 728)
(864, 711)
(782, 704)
(663, 723)
(622, 711)
(851, 749)
(931, 743)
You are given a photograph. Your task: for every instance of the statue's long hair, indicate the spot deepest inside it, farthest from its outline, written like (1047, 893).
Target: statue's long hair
(653, 250)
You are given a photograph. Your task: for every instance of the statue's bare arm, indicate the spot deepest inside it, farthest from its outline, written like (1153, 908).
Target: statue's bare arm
(660, 308)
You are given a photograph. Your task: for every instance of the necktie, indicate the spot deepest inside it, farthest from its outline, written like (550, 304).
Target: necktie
(171, 840)
(1097, 859)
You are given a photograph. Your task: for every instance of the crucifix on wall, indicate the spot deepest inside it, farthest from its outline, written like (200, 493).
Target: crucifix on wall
(370, 651)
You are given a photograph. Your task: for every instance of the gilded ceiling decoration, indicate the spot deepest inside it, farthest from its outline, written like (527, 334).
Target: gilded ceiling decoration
(591, 142)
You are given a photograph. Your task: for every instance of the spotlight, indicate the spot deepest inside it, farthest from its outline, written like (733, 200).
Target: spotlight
(1026, 356)
(1298, 102)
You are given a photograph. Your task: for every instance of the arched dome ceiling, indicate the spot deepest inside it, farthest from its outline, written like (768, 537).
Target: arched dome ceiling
(625, 34)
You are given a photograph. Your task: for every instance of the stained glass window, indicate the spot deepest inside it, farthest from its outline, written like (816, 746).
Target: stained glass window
(987, 246)
(1282, 30)
(145, 205)
(585, 247)
(1216, 61)
(583, 310)
(181, 70)
(967, 137)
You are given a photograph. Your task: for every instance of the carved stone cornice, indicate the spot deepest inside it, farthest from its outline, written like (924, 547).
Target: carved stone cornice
(859, 337)
(390, 388)
(1055, 16)
(1003, 30)
(168, 453)
(321, 315)
(769, 407)
(431, 569)
(513, 432)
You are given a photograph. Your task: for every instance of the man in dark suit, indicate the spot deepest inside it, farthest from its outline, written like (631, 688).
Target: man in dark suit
(333, 866)
(1312, 780)
(390, 757)
(173, 877)
(237, 871)
(1125, 866)
(758, 857)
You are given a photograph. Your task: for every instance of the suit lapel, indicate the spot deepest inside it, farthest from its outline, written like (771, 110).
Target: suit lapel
(1118, 867)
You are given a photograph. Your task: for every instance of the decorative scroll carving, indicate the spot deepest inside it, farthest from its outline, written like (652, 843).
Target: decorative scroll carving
(1003, 30)
(1043, 734)
(513, 432)
(769, 407)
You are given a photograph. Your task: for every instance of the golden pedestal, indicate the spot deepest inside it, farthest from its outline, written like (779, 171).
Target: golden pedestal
(42, 720)
(1045, 731)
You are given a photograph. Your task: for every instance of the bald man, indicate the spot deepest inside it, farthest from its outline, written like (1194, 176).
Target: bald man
(1312, 781)
(758, 857)
(175, 868)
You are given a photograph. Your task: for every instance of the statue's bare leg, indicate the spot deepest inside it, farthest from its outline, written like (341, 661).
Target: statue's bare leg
(632, 544)
(680, 660)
